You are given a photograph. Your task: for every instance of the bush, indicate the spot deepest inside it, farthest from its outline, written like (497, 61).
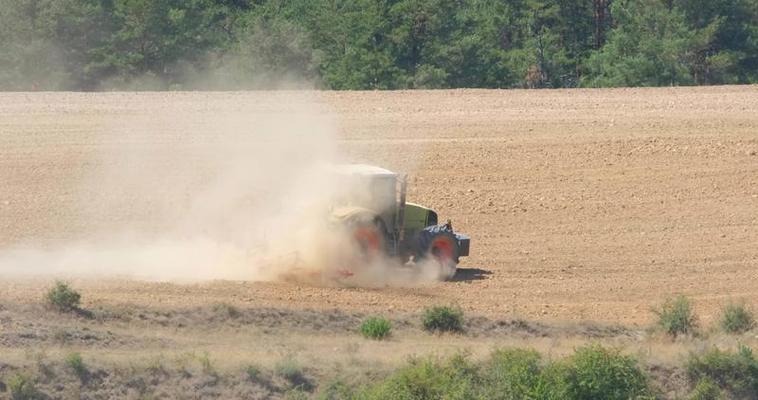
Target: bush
(76, 363)
(429, 379)
(706, 389)
(514, 374)
(63, 298)
(736, 319)
(734, 372)
(376, 328)
(22, 387)
(443, 319)
(676, 318)
(594, 372)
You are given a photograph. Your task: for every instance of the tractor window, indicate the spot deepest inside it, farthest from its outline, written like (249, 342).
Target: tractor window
(431, 218)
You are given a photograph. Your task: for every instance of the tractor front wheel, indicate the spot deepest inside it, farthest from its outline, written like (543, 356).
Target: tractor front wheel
(439, 245)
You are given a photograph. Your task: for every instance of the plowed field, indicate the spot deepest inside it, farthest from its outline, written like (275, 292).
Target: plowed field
(581, 204)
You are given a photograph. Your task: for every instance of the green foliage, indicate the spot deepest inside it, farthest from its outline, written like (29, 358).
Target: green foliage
(650, 46)
(514, 374)
(374, 44)
(376, 328)
(734, 372)
(594, 372)
(706, 389)
(336, 390)
(736, 319)
(429, 379)
(63, 298)
(443, 319)
(675, 317)
(76, 363)
(22, 387)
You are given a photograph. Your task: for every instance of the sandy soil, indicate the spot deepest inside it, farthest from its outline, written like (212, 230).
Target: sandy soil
(582, 204)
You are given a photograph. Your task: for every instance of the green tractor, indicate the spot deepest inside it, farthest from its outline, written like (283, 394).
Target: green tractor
(370, 205)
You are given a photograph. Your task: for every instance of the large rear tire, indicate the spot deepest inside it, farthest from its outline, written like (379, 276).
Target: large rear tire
(365, 230)
(438, 244)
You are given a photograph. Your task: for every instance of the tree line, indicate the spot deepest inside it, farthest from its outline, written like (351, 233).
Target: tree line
(375, 44)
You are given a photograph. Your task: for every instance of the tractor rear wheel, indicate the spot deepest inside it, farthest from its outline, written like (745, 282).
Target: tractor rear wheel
(438, 244)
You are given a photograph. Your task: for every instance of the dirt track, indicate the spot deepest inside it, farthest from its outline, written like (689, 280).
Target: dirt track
(582, 205)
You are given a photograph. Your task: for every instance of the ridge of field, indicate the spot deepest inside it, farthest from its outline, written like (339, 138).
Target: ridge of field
(582, 204)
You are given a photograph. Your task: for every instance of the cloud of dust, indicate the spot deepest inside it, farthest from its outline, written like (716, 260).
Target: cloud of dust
(240, 192)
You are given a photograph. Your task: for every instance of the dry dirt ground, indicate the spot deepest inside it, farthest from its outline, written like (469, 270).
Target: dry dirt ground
(582, 205)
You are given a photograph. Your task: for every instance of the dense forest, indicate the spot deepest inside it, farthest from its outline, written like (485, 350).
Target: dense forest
(375, 44)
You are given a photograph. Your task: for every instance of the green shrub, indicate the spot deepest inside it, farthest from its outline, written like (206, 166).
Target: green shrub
(675, 317)
(429, 379)
(63, 298)
(376, 328)
(514, 374)
(594, 372)
(443, 319)
(736, 319)
(22, 387)
(76, 363)
(706, 389)
(734, 372)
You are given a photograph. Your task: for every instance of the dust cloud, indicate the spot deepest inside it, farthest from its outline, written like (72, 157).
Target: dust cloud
(188, 194)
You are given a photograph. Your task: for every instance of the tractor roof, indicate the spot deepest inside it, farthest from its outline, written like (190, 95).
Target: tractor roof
(363, 170)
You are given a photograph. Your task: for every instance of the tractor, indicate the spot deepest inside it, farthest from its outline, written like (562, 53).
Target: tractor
(370, 205)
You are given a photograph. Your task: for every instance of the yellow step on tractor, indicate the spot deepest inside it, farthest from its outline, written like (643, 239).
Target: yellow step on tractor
(370, 205)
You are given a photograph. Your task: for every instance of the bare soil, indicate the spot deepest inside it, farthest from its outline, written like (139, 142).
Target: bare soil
(582, 204)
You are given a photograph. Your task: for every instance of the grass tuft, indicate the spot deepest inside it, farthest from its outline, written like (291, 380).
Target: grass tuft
(736, 319)
(254, 373)
(63, 298)
(293, 372)
(675, 317)
(706, 389)
(206, 364)
(76, 363)
(443, 319)
(377, 328)
(22, 387)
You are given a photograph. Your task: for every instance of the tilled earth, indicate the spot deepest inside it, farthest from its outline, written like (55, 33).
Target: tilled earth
(581, 204)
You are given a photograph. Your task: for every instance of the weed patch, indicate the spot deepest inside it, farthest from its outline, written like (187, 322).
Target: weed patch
(376, 328)
(736, 319)
(443, 319)
(22, 387)
(75, 362)
(734, 372)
